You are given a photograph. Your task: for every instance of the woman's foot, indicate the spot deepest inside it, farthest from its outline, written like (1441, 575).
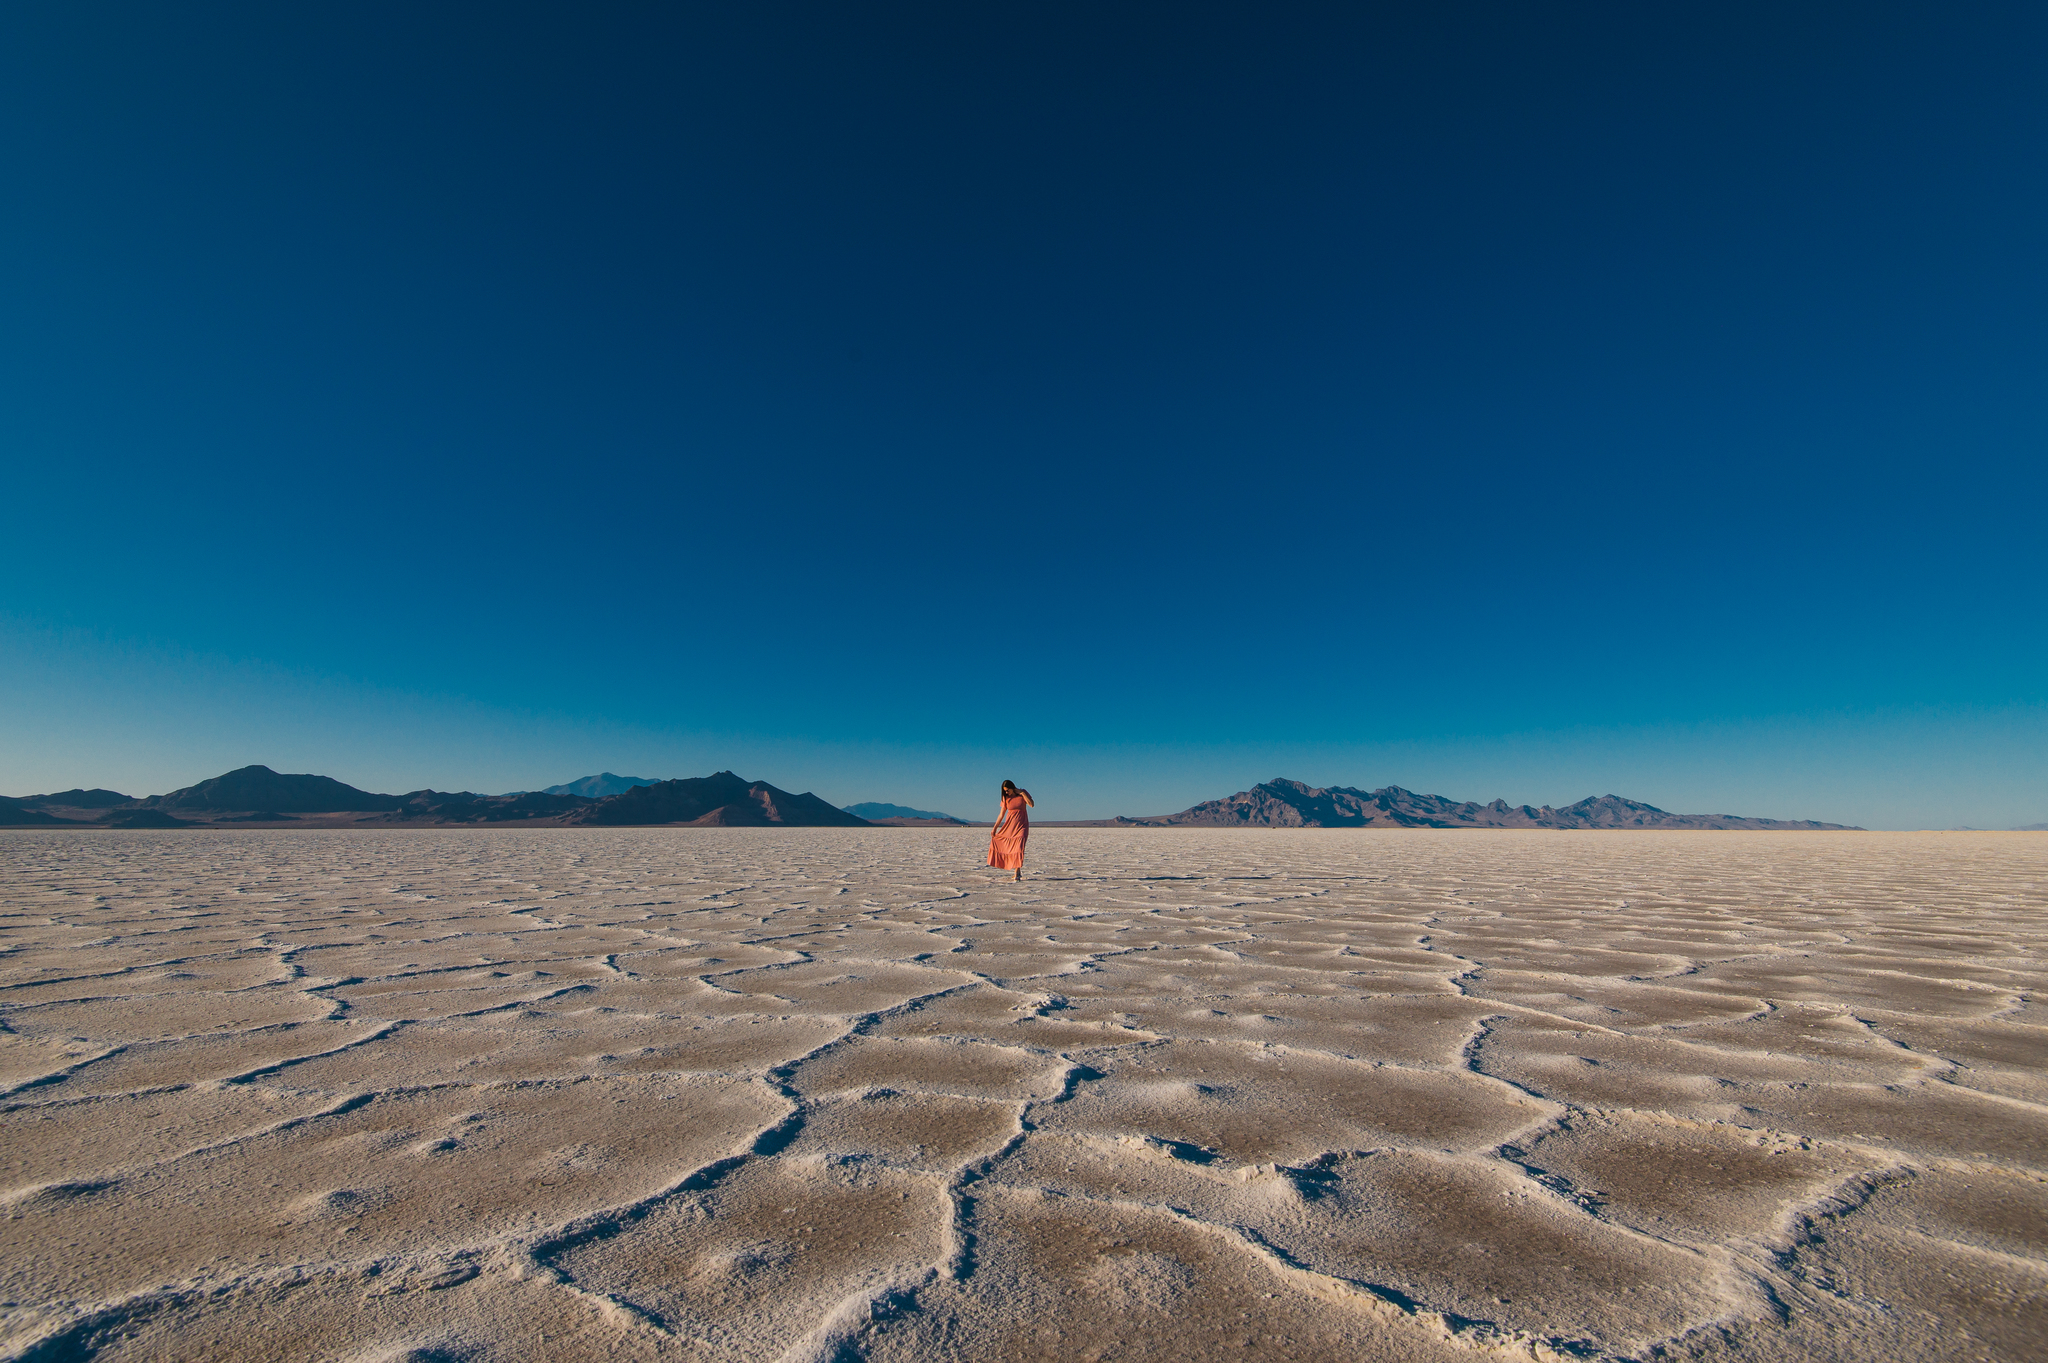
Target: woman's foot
(1019, 875)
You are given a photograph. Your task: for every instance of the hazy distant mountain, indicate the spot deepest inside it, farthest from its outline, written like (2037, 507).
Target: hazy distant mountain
(1281, 803)
(248, 788)
(2032, 828)
(598, 786)
(876, 809)
(721, 799)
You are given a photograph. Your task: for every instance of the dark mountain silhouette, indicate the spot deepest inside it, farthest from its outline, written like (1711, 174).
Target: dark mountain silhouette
(253, 795)
(719, 800)
(877, 809)
(1281, 803)
(599, 786)
(248, 788)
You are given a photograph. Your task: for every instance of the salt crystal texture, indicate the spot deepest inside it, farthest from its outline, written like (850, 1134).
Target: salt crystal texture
(1180, 1095)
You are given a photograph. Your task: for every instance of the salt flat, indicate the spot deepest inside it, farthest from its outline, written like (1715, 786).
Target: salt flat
(809, 1094)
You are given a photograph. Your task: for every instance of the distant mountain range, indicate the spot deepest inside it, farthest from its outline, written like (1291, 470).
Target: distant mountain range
(876, 809)
(258, 795)
(1281, 803)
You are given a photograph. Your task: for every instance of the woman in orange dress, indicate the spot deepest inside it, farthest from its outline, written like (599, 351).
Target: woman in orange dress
(1013, 826)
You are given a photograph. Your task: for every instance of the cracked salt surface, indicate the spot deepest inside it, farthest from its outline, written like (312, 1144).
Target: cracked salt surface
(837, 1094)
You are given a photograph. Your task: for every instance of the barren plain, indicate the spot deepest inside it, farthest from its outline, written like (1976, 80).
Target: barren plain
(819, 1094)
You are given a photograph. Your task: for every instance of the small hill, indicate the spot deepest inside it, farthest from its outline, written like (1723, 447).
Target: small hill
(17, 814)
(719, 800)
(462, 806)
(140, 818)
(79, 799)
(248, 788)
(876, 809)
(601, 785)
(1281, 803)
(41, 811)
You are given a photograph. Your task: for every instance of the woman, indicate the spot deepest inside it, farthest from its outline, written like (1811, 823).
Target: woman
(1013, 826)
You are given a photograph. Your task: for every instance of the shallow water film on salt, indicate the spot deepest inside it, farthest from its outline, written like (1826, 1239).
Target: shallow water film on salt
(811, 1094)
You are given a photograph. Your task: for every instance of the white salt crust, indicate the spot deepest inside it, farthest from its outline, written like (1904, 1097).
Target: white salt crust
(838, 1094)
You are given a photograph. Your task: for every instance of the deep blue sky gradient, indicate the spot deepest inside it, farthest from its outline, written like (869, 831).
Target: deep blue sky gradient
(1137, 401)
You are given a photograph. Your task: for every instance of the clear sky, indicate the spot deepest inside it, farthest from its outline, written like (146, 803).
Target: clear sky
(1136, 401)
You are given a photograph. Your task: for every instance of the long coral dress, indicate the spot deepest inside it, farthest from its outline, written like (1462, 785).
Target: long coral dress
(1006, 844)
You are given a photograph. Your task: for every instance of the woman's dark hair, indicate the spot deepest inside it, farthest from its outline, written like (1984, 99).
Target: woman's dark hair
(1009, 787)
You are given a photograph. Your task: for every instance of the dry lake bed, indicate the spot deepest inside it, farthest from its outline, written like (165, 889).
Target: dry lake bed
(1181, 1095)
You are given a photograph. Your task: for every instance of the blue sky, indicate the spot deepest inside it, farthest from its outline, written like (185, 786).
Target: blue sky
(1137, 402)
